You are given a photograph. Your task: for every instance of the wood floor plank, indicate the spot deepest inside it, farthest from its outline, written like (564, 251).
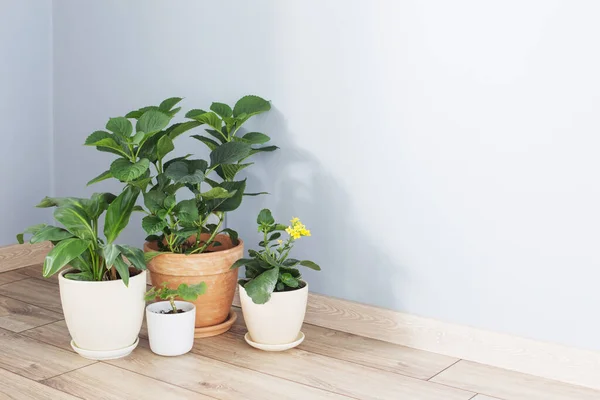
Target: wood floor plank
(365, 351)
(13, 386)
(215, 378)
(107, 382)
(322, 372)
(34, 291)
(17, 316)
(11, 276)
(55, 334)
(484, 397)
(35, 360)
(510, 385)
(35, 271)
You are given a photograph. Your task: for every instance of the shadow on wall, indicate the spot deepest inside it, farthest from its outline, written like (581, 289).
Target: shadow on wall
(300, 186)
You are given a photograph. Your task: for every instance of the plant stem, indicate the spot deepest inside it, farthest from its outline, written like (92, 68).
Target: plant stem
(212, 236)
(173, 306)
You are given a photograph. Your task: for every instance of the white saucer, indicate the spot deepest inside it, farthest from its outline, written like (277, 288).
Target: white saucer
(274, 347)
(105, 354)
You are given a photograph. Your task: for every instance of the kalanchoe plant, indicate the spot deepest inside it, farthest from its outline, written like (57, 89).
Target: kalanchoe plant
(183, 291)
(78, 243)
(270, 269)
(178, 226)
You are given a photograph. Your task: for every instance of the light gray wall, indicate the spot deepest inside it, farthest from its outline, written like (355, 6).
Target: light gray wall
(26, 113)
(444, 154)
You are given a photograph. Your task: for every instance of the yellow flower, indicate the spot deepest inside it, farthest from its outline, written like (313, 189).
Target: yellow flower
(280, 241)
(297, 229)
(294, 220)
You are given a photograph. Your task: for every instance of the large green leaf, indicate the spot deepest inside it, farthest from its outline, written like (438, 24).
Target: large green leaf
(154, 199)
(229, 171)
(260, 288)
(34, 229)
(120, 126)
(126, 171)
(211, 144)
(169, 103)
(310, 264)
(241, 262)
(256, 138)
(211, 119)
(123, 269)
(232, 203)
(264, 148)
(51, 233)
(194, 113)
(217, 193)
(134, 255)
(103, 176)
(289, 280)
(222, 109)
(152, 121)
(177, 129)
(187, 211)
(62, 254)
(191, 292)
(98, 136)
(110, 252)
(265, 217)
(164, 147)
(98, 203)
(118, 213)
(229, 153)
(251, 105)
(153, 224)
(187, 171)
(76, 220)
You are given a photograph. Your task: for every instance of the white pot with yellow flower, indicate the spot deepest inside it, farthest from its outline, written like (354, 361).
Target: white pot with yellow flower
(273, 294)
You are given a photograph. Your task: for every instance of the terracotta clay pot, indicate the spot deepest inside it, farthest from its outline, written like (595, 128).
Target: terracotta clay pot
(213, 307)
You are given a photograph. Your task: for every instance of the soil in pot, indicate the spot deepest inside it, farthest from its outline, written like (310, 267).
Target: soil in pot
(212, 267)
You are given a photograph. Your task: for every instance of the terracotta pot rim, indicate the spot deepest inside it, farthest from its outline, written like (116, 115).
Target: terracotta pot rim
(200, 255)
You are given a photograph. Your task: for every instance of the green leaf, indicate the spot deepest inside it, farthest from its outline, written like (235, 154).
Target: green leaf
(264, 148)
(274, 236)
(229, 153)
(229, 171)
(233, 235)
(194, 113)
(310, 264)
(125, 171)
(123, 269)
(208, 142)
(187, 171)
(98, 203)
(169, 202)
(241, 262)
(220, 137)
(169, 103)
(120, 126)
(96, 137)
(138, 138)
(177, 129)
(250, 105)
(51, 233)
(76, 220)
(80, 276)
(291, 262)
(134, 255)
(191, 293)
(154, 200)
(222, 109)
(149, 255)
(217, 193)
(118, 213)
(260, 288)
(187, 211)
(255, 194)
(152, 121)
(265, 217)
(34, 229)
(279, 287)
(110, 253)
(153, 224)
(164, 147)
(103, 176)
(289, 280)
(256, 138)
(62, 254)
(232, 203)
(211, 119)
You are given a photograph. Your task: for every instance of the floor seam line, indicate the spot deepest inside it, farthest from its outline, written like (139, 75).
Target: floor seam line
(448, 367)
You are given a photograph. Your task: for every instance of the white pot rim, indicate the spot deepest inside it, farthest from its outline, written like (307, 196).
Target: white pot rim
(160, 305)
(289, 292)
(61, 278)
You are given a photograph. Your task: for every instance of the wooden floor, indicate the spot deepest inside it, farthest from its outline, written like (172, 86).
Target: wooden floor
(36, 362)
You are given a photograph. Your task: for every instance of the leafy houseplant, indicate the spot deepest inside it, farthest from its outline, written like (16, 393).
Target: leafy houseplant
(270, 269)
(171, 322)
(98, 291)
(273, 295)
(191, 223)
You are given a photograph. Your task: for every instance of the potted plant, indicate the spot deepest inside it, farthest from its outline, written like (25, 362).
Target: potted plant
(171, 323)
(102, 284)
(273, 294)
(186, 199)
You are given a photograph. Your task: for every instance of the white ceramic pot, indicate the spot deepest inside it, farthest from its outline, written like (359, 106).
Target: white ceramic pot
(104, 318)
(279, 320)
(171, 334)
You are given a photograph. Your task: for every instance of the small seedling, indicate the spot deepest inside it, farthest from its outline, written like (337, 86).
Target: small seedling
(183, 291)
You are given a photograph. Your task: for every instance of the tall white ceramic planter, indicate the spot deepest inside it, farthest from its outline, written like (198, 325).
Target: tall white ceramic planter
(171, 334)
(279, 320)
(103, 318)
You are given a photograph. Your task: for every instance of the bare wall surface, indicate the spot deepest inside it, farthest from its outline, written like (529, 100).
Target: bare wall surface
(25, 112)
(444, 154)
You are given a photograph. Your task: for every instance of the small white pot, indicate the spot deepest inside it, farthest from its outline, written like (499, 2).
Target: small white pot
(171, 334)
(279, 320)
(104, 318)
